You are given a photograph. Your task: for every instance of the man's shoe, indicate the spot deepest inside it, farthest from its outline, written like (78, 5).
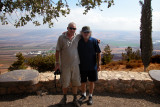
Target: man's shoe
(82, 98)
(63, 101)
(76, 103)
(90, 101)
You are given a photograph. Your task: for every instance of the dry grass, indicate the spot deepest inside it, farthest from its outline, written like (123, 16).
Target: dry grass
(134, 65)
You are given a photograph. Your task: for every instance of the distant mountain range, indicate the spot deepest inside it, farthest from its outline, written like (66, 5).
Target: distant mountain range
(47, 38)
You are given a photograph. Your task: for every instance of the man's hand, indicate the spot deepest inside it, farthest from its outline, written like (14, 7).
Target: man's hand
(99, 68)
(57, 67)
(57, 61)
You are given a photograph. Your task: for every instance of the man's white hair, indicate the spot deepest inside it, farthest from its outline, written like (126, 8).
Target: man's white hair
(71, 23)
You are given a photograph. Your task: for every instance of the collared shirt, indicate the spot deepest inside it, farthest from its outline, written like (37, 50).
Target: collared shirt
(68, 50)
(87, 54)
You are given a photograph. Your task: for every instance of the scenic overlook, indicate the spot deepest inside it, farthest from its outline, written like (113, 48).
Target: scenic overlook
(72, 53)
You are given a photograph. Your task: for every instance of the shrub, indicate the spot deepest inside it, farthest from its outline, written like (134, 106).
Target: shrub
(19, 64)
(121, 62)
(112, 63)
(42, 63)
(129, 65)
(134, 64)
(155, 59)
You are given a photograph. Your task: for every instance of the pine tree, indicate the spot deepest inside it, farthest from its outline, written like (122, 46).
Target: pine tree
(146, 33)
(107, 56)
(19, 64)
(131, 55)
(138, 55)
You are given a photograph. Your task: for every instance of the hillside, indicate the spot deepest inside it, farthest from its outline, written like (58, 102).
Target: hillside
(17, 40)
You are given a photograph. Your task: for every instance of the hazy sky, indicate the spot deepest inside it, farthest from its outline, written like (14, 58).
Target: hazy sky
(124, 15)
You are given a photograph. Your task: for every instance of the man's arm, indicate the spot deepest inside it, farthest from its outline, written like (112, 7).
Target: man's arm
(57, 54)
(99, 62)
(57, 60)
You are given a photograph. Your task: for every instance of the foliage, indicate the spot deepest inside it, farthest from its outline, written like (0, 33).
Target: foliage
(134, 64)
(117, 65)
(155, 59)
(19, 64)
(107, 56)
(146, 33)
(131, 55)
(29, 10)
(42, 63)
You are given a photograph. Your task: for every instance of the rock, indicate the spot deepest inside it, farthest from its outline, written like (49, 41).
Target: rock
(19, 77)
(111, 81)
(149, 92)
(39, 92)
(130, 91)
(3, 91)
(13, 90)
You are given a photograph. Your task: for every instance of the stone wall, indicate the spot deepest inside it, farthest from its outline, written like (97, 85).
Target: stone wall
(109, 81)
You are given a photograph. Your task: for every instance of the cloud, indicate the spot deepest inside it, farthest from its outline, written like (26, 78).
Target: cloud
(156, 21)
(97, 20)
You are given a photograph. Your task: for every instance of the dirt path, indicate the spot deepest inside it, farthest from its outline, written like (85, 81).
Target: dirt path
(100, 100)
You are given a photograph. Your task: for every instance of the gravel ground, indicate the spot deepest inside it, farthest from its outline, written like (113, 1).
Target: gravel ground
(100, 100)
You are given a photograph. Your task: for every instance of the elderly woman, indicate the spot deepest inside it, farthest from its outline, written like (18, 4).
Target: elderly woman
(88, 50)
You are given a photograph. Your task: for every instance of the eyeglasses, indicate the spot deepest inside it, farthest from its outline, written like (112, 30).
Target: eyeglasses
(86, 32)
(71, 28)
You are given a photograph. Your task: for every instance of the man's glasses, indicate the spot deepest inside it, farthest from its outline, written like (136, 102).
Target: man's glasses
(71, 28)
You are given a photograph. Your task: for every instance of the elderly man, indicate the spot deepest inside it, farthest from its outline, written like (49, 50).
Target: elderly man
(88, 50)
(66, 49)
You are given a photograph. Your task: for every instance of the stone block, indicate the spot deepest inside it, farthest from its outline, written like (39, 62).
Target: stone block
(3, 91)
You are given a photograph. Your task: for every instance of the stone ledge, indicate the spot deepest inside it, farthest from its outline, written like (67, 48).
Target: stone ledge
(111, 81)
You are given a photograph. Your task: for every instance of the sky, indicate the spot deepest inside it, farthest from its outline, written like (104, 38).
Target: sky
(124, 15)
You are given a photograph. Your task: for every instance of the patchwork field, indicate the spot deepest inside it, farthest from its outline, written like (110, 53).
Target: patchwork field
(7, 57)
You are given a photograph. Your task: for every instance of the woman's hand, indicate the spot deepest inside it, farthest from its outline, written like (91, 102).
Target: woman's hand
(99, 41)
(64, 32)
(99, 68)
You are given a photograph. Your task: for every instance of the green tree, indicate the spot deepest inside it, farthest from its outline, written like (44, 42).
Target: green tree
(128, 55)
(19, 64)
(42, 63)
(131, 55)
(137, 54)
(146, 33)
(107, 56)
(30, 10)
(124, 56)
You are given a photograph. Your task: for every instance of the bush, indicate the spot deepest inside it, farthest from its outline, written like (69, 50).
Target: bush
(42, 63)
(121, 62)
(134, 64)
(155, 59)
(112, 63)
(19, 64)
